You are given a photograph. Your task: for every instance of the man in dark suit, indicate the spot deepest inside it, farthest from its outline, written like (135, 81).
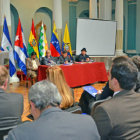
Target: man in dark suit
(119, 117)
(50, 121)
(83, 57)
(11, 104)
(64, 58)
(48, 59)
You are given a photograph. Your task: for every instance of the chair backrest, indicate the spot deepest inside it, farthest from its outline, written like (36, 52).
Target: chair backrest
(74, 109)
(96, 103)
(76, 58)
(4, 133)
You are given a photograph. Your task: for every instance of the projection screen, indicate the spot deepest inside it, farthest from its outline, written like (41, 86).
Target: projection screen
(97, 36)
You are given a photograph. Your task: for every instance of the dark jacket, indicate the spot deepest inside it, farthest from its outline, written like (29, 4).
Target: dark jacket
(55, 124)
(62, 59)
(119, 117)
(47, 61)
(82, 58)
(11, 109)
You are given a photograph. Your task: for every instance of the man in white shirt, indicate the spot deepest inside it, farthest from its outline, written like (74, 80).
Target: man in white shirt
(32, 65)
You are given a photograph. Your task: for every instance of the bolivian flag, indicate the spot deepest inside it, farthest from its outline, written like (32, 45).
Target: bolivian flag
(43, 44)
(32, 44)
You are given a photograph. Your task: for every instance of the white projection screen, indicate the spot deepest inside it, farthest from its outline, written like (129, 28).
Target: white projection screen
(97, 36)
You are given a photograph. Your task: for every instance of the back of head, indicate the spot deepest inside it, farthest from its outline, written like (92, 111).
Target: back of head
(121, 59)
(56, 76)
(44, 94)
(136, 61)
(3, 75)
(126, 73)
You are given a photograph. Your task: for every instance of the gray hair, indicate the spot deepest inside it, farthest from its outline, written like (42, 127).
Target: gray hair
(43, 94)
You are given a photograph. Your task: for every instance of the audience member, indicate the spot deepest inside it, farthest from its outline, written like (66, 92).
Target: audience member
(56, 76)
(83, 57)
(32, 66)
(64, 58)
(118, 118)
(87, 100)
(106, 90)
(136, 60)
(11, 104)
(51, 122)
(48, 59)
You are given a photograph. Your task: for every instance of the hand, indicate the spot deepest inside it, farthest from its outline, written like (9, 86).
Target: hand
(35, 69)
(87, 59)
(99, 91)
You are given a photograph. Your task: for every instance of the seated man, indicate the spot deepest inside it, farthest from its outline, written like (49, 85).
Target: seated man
(119, 117)
(32, 65)
(51, 122)
(64, 58)
(48, 59)
(11, 104)
(83, 57)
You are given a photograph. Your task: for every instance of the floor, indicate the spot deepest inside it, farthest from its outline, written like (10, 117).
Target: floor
(22, 89)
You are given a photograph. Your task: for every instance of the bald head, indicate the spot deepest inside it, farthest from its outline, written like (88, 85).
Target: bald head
(48, 53)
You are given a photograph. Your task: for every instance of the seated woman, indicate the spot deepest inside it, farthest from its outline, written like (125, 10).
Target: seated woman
(32, 66)
(56, 76)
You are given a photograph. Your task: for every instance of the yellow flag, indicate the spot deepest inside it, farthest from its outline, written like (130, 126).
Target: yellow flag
(66, 41)
(55, 30)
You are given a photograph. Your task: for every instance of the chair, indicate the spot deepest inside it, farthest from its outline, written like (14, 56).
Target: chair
(74, 109)
(93, 105)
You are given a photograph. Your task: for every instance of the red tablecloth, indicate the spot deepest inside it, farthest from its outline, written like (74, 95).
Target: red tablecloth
(79, 74)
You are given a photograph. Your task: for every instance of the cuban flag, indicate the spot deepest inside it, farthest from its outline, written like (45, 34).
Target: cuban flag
(20, 51)
(6, 45)
(54, 45)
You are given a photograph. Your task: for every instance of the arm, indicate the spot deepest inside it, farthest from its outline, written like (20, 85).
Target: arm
(61, 60)
(44, 61)
(103, 122)
(28, 62)
(37, 61)
(106, 93)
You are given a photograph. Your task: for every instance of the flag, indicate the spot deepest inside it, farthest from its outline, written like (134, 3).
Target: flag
(43, 44)
(6, 45)
(32, 44)
(20, 51)
(66, 44)
(54, 45)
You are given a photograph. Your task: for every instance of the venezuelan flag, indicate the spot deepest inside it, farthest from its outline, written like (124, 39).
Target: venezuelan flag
(32, 45)
(66, 45)
(54, 45)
